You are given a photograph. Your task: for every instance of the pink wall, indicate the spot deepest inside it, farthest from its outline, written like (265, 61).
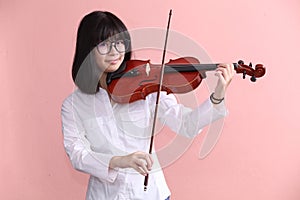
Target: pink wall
(258, 154)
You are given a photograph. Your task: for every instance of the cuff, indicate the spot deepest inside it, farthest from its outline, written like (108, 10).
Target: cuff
(219, 109)
(112, 174)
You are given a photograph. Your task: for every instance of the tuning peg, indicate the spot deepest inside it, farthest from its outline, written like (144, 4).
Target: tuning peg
(253, 78)
(250, 65)
(244, 74)
(240, 62)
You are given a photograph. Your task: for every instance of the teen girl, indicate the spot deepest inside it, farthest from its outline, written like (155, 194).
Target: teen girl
(109, 141)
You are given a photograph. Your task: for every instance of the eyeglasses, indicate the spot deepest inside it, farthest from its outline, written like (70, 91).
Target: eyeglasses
(105, 47)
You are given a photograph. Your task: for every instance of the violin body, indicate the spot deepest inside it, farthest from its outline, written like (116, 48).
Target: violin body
(141, 78)
(144, 79)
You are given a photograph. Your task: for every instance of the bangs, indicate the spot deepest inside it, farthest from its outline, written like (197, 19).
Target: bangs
(111, 28)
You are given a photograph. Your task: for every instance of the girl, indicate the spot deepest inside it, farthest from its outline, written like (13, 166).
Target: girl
(108, 140)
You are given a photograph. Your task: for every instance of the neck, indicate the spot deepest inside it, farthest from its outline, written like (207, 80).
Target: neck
(103, 84)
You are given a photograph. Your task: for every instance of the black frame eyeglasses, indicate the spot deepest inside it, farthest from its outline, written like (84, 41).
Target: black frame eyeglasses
(120, 45)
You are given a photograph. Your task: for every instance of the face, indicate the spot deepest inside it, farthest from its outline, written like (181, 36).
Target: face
(109, 61)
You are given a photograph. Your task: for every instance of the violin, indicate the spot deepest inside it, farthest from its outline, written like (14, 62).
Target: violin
(141, 78)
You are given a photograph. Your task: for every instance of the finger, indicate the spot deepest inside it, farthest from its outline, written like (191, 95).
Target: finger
(139, 170)
(231, 72)
(223, 65)
(142, 165)
(146, 159)
(227, 71)
(222, 74)
(230, 69)
(149, 161)
(219, 74)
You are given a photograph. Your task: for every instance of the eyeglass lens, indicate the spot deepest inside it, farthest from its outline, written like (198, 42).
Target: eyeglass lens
(105, 46)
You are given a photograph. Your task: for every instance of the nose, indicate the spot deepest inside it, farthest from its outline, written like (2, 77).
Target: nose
(113, 49)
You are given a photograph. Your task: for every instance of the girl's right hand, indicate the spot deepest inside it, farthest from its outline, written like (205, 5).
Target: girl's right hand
(140, 161)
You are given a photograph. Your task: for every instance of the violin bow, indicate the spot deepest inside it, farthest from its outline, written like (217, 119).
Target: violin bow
(158, 94)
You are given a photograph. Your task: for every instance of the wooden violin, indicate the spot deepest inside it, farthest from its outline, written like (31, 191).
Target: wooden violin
(141, 78)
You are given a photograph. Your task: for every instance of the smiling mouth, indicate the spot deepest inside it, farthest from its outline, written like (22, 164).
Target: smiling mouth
(113, 61)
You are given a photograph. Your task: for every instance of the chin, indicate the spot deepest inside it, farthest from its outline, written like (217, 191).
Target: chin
(113, 68)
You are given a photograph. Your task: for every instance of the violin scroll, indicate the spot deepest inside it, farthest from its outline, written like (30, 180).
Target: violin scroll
(256, 72)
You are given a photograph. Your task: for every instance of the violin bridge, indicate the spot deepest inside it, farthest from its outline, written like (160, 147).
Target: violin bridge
(148, 69)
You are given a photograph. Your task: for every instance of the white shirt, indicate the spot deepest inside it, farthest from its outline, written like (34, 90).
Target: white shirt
(95, 130)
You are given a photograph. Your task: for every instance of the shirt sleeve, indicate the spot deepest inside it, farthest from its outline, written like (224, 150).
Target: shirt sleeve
(79, 150)
(186, 121)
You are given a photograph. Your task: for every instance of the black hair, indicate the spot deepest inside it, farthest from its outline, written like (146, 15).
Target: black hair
(94, 28)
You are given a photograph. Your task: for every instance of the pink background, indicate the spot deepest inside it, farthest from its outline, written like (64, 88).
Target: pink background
(258, 154)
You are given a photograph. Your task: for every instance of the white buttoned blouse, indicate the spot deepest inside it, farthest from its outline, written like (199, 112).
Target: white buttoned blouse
(95, 130)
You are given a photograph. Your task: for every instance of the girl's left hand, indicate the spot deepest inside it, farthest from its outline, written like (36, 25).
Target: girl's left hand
(225, 73)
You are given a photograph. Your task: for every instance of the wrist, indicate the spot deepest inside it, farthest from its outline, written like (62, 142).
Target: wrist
(114, 162)
(216, 99)
(219, 93)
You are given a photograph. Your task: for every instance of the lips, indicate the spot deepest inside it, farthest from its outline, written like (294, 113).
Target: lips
(113, 61)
